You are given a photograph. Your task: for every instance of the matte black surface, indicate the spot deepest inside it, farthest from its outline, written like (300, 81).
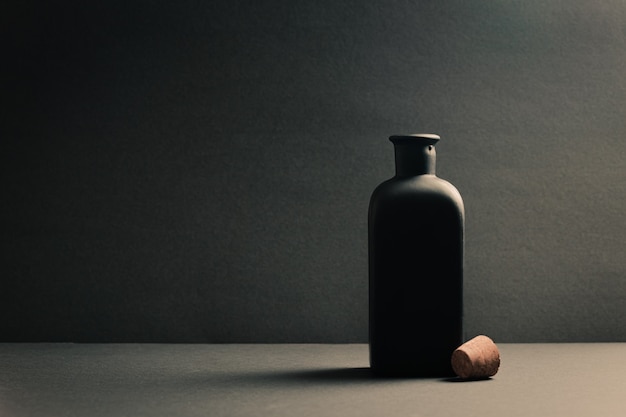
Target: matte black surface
(416, 225)
(46, 380)
(201, 170)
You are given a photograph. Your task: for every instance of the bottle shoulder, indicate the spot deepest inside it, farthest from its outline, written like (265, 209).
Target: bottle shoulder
(421, 184)
(416, 191)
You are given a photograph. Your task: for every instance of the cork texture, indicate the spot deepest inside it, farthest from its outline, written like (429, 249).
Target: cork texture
(477, 358)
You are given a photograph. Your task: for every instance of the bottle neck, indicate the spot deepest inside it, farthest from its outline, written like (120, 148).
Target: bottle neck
(414, 157)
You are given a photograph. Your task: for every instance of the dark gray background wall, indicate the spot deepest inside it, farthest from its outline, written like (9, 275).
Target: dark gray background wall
(197, 171)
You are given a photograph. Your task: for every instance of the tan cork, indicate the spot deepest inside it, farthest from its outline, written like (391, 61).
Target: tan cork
(476, 359)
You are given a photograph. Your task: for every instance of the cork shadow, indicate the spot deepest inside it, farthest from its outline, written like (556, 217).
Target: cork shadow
(459, 379)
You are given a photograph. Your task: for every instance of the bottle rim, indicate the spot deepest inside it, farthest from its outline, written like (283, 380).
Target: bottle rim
(418, 138)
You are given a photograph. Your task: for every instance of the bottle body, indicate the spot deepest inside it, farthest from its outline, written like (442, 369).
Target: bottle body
(416, 239)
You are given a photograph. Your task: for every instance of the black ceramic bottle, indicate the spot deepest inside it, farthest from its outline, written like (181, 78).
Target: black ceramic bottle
(416, 237)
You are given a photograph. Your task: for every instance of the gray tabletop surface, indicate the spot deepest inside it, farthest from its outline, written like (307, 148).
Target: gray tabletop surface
(298, 380)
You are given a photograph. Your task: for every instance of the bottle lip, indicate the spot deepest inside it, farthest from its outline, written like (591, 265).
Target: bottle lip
(417, 138)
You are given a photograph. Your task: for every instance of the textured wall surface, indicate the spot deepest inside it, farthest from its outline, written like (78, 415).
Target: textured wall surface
(200, 171)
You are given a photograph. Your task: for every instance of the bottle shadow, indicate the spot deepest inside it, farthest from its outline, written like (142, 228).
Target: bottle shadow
(363, 375)
(329, 375)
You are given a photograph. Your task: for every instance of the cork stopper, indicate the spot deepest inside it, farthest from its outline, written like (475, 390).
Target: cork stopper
(477, 358)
